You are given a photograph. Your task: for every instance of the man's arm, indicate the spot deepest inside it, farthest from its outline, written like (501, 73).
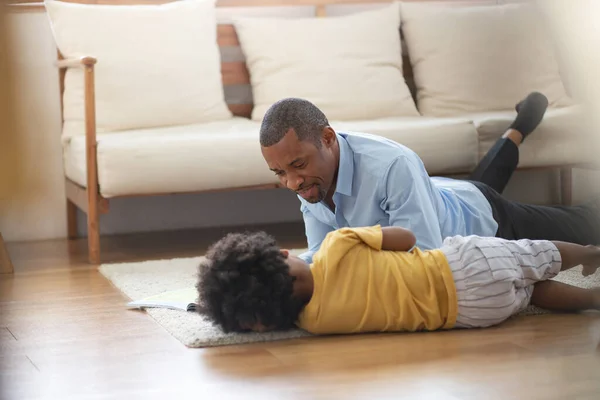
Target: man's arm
(395, 238)
(409, 202)
(315, 234)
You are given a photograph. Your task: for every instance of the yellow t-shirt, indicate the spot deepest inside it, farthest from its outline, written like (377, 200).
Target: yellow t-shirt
(360, 288)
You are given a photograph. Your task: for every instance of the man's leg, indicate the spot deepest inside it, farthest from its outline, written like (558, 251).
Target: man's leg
(497, 166)
(573, 224)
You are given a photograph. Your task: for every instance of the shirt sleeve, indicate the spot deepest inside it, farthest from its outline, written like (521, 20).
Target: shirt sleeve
(408, 201)
(370, 235)
(316, 231)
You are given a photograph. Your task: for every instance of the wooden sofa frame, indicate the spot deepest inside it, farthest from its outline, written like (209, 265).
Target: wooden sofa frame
(90, 201)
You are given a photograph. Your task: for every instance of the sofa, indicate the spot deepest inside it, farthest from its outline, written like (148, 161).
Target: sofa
(169, 98)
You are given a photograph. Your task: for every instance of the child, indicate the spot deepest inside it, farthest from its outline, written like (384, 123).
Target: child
(369, 280)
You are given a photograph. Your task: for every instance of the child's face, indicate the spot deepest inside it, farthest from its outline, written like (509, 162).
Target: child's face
(297, 265)
(258, 327)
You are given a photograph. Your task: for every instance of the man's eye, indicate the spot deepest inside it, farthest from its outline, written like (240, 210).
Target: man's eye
(301, 166)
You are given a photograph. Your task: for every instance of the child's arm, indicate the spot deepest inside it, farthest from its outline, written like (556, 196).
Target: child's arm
(396, 238)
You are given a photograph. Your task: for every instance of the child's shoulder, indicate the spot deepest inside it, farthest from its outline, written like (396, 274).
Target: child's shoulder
(344, 241)
(354, 232)
(351, 236)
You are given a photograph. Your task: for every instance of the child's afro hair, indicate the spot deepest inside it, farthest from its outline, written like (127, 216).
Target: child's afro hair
(245, 281)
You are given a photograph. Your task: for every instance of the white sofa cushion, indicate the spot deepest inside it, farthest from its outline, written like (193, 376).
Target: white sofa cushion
(560, 139)
(446, 145)
(226, 154)
(478, 59)
(157, 65)
(178, 159)
(349, 66)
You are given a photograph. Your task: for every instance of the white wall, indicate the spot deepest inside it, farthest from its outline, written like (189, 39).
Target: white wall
(32, 203)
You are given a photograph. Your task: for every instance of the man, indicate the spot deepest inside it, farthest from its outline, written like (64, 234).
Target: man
(357, 179)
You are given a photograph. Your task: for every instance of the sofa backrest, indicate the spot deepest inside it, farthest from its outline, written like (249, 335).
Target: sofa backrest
(236, 78)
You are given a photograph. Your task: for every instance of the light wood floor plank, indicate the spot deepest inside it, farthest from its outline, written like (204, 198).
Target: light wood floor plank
(64, 334)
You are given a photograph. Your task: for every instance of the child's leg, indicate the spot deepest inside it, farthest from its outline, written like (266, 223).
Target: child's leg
(495, 278)
(558, 296)
(574, 254)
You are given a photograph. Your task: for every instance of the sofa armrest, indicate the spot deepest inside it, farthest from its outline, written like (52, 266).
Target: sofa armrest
(80, 62)
(87, 63)
(93, 193)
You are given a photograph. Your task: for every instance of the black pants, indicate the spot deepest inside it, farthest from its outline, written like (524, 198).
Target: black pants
(575, 224)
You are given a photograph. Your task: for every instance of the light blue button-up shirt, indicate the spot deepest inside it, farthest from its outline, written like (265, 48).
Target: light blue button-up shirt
(383, 182)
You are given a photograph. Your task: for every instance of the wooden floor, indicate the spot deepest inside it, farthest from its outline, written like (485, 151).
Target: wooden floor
(64, 334)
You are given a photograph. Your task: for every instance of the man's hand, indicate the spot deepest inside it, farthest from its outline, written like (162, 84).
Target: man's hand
(396, 238)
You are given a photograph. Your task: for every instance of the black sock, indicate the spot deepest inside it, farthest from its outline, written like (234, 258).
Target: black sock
(530, 113)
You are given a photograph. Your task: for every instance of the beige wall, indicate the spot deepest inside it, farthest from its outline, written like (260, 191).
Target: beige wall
(32, 203)
(576, 31)
(31, 182)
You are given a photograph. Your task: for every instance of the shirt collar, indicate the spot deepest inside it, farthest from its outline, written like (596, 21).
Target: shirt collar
(346, 167)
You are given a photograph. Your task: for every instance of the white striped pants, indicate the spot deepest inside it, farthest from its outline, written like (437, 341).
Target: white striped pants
(494, 277)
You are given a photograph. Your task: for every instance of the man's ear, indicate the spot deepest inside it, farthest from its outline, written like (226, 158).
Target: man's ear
(285, 253)
(328, 136)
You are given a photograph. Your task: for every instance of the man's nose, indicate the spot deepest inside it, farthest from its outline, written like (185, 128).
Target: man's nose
(294, 181)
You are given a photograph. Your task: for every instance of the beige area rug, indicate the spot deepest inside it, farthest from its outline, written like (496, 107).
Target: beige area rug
(143, 279)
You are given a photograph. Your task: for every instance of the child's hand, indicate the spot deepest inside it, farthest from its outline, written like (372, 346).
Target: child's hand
(396, 238)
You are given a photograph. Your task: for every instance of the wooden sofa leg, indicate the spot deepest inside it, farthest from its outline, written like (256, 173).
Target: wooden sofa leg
(91, 152)
(566, 186)
(72, 220)
(93, 232)
(6, 266)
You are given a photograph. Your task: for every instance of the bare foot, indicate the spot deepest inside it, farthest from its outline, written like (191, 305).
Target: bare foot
(589, 270)
(594, 262)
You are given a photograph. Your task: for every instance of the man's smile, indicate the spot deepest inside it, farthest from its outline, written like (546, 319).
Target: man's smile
(308, 192)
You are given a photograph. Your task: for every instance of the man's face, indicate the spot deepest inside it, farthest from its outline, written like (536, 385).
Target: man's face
(303, 167)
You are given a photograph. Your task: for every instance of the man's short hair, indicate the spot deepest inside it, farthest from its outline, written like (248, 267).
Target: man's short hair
(292, 113)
